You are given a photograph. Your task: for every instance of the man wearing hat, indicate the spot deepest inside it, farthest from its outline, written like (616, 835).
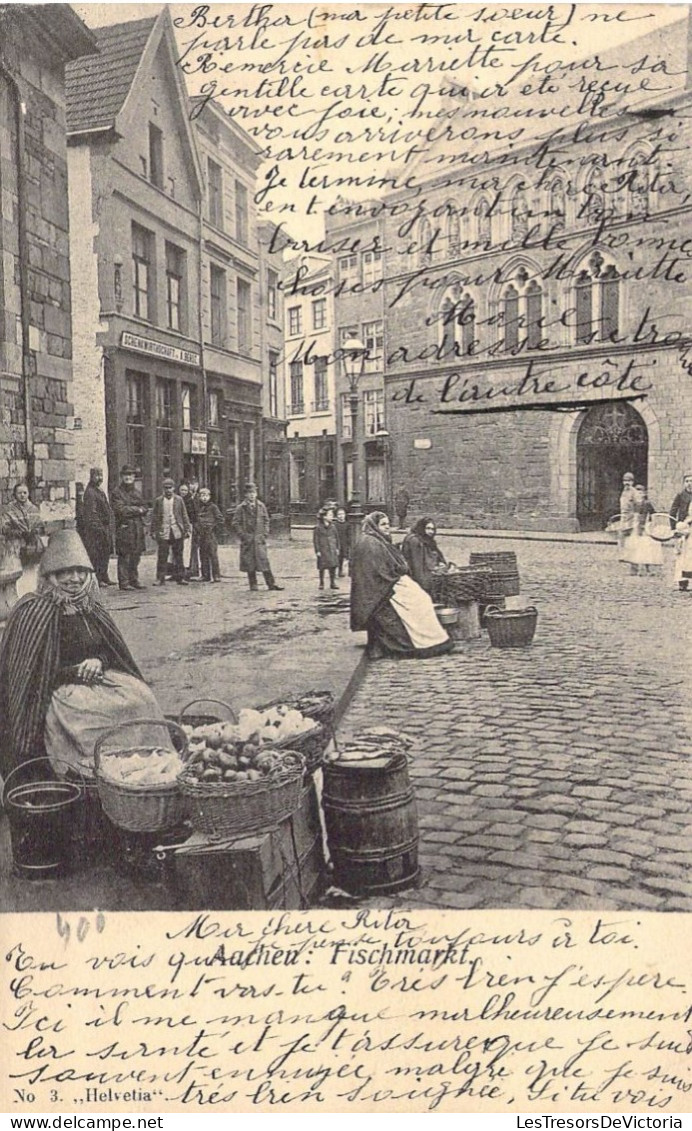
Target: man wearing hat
(96, 526)
(170, 526)
(251, 522)
(128, 511)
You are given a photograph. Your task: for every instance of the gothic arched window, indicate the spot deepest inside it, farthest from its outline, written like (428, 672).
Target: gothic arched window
(521, 306)
(511, 317)
(457, 318)
(534, 315)
(483, 217)
(424, 241)
(638, 187)
(597, 301)
(595, 197)
(519, 215)
(453, 235)
(557, 206)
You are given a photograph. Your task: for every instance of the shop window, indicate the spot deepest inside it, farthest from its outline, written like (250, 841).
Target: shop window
(375, 480)
(372, 267)
(165, 391)
(295, 320)
(186, 405)
(213, 409)
(241, 213)
(273, 384)
(326, 479)
(135, 420)
(175, 287)
(373, 411)
(244, 315)
(373, 340)
(217, 287)
(319, 314)
(155, 156)
(321, 385)
(298, 476)
(215, 193)
(272, 296)
(142, 273)
(297, 396)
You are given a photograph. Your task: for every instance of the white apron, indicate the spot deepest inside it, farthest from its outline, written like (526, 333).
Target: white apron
(415, 608)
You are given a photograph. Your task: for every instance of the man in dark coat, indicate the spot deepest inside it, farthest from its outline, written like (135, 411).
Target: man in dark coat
(96, 526)
(679, 511)
(251, 522)
(128, 510)
(192, 506)
(170, 526)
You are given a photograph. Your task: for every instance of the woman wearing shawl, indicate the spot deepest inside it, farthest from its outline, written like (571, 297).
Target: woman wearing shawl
(21, 524)
(422, 553)
(66, 674)
(385, 600)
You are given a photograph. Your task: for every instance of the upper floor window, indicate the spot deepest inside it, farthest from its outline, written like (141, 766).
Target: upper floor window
(424, 241)
(142, 272)
(213, 408)
(321, 385)
(372, 267)
(346, 334)
(272, 295)
(483, 221)
(273, 383)
(373, 414)
(453, 234)
(319, 314)
(155, 156)
(297, 395)
(637, 181)
(557, 206)
(241, 213)
(175, 287)
(519, 215)
(215, 193)
(217, 288)
(295, 320)
(522, 312)
(244, 315)
(457, 319)
(373, 340)
(348, 269)
(597, 301)
(594, 203)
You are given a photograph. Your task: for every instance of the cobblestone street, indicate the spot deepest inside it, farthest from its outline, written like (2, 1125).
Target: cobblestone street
(556, 776)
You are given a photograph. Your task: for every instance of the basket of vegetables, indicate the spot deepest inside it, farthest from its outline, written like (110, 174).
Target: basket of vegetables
(311, 741)
(186, 719)
(137, 766)
(238, 787)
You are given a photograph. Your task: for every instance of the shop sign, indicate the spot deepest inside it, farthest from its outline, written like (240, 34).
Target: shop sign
(198, 443)
(422, 444)
(158, 349)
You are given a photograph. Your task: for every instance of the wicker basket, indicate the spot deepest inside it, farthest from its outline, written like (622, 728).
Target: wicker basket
(205, 720)
(144, 808)
(227, 809)
(311, 743)
(510, 628)
(505, 572)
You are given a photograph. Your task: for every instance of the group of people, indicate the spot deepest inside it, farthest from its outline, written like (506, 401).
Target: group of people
(331, 542)
(637, 547)
(179, 518)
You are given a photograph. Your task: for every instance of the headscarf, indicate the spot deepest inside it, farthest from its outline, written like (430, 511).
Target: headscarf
(371, 529)
(70, 603)
(419, 530)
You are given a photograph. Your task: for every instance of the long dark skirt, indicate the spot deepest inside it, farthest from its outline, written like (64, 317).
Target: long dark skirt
(387, 636)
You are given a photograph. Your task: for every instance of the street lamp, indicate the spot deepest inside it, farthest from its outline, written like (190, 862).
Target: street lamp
(353, 352)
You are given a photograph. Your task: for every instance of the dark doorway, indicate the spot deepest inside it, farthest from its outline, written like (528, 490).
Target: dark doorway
(612, 440)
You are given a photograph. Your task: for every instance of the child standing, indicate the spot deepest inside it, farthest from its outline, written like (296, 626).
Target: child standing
(326, 542)
(208, 526)
(343, 534)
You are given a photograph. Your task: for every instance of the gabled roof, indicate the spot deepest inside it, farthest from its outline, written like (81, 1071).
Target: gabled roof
(97, 86)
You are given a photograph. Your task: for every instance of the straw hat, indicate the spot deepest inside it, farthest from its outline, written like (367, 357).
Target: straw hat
(65, 550)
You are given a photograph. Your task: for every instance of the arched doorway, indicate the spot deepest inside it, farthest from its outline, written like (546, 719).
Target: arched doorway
(612, 439)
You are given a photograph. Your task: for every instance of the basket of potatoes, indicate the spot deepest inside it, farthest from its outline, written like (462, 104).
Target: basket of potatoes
(236, 784)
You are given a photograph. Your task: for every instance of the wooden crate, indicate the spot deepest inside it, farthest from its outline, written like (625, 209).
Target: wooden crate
(282, 869)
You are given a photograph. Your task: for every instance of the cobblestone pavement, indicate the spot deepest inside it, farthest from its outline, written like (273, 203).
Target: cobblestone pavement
(557, 776)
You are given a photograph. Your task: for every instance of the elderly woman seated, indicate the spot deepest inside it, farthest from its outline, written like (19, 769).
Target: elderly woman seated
(66, 674)
(385, 600)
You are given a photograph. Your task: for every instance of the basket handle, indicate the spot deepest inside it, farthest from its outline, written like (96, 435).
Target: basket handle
(221, 702)
(492, 609)
(22, 765)
(173, 728)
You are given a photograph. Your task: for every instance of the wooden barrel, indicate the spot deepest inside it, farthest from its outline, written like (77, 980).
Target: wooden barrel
(372, 826)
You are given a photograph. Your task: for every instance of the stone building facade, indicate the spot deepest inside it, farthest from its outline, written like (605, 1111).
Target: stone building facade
(274, 444)
(36, 412)
(537, 314)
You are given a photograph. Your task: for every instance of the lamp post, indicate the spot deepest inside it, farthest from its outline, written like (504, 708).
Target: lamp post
(354, 361)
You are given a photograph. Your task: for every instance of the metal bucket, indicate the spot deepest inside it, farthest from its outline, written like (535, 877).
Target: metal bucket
(41, 816)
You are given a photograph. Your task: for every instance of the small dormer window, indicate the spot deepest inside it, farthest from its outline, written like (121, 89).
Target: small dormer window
(155, 155)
